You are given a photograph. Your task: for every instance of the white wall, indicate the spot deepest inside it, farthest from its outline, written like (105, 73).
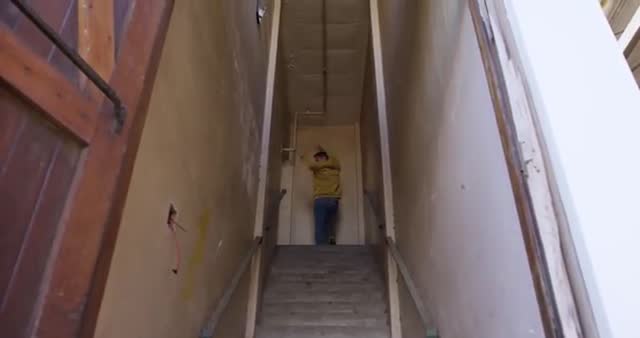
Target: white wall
(456, 220)
(588, 104)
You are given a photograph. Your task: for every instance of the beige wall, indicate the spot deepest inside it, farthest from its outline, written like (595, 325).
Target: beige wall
(371, 160)
(343, 142)
(456, 221)
(200, 151)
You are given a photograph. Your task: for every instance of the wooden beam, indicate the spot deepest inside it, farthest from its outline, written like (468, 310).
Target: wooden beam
(360, 199)
(96, 37)
(631, 34)
(49, 90)
(249, 259)
(261, 207)
(383, 129)
(408, 281)
(524, 150)
(253, 300)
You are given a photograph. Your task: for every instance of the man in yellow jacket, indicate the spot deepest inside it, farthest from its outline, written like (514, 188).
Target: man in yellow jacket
(326, 192)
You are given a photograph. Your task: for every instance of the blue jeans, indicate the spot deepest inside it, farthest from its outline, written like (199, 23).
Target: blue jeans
(325, 210)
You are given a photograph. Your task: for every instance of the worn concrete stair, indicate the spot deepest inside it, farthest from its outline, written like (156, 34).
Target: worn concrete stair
(323, 292)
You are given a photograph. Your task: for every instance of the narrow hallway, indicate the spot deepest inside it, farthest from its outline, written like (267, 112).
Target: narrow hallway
(317, 169)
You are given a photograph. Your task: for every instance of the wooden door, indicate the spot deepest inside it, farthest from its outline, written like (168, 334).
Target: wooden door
(64, 168)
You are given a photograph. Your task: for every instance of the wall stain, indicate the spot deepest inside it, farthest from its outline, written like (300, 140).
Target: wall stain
(196, 259)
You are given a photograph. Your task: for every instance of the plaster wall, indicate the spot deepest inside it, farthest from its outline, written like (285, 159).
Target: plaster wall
(200, 152)
(455, 218)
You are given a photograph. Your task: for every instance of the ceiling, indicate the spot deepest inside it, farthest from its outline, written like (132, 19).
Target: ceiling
(305, 40)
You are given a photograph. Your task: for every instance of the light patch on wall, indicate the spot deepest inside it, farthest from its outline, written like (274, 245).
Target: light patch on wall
(260, 14)
(261, 10)
(196, 259)
(251, 158)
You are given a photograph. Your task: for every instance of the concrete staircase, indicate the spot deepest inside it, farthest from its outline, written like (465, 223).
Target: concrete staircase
(324, 292)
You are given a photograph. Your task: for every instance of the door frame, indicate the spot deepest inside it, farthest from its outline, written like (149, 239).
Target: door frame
(557, 282)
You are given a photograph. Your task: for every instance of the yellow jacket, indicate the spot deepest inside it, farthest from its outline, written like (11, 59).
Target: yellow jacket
(326, 177)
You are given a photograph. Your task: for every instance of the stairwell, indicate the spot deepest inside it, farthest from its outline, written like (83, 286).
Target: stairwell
(324, 291)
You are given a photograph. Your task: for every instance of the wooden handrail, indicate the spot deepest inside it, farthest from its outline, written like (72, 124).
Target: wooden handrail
(212, 323)
(411, 286)
(371, 199)
(274, 209)
(404, 272)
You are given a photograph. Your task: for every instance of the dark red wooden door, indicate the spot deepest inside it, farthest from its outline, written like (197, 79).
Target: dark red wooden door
(63, 166)
(38, 163)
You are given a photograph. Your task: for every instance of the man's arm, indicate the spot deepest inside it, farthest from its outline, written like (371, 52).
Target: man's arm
(333, 162)
(309, 162)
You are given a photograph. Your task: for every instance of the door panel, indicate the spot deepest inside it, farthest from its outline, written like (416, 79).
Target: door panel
(69, 33)
(35, 181)
(31, 77)
(61, 15)
(11, 124)
(8, 13)
(63, 166)
(122, 10)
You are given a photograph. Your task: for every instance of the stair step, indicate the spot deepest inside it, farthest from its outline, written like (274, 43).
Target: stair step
(324, 278)
(293, 308)
(324, 292)
(372, 286)
(276, 297)
(323, 256)
(298, 252)
(326, 319)
(341, 249)
(318, 259)
(344, 264)
(352, 270)
(322, 332)
(325, 269)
